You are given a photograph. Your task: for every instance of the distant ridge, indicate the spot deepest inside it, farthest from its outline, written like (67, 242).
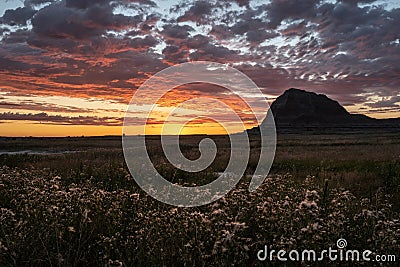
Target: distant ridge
(299, 109)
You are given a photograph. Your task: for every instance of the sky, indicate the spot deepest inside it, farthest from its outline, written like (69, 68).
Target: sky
(71, 67)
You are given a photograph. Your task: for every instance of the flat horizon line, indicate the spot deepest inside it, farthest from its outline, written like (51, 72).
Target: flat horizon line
(108, 136)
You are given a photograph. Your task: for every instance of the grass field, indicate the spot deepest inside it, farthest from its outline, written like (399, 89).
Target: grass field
(83, 208)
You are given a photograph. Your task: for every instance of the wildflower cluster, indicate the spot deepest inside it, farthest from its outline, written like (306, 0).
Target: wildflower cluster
(48, 221)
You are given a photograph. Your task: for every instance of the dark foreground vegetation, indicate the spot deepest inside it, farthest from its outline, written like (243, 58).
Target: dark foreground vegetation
(82, 207)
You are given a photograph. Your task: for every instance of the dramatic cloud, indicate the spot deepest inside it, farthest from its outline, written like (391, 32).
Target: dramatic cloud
(176, 32)
(18, 16)
(37, 2)
(279, 10)
(60, 120)
(348, 49)
(78, 19)
(390, 102)
(197, 12)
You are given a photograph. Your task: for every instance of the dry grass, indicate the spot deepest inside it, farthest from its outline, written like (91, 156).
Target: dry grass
(84, 209)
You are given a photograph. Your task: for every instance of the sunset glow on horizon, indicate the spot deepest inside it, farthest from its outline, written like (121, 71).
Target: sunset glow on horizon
(71, 67)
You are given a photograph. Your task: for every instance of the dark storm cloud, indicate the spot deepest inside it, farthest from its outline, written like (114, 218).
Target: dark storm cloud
(344, 18)
(199, 47)
(18, 16)
(245, 26)
(142, 43)
(260, 35)
(210, 52)
(83, 4)
(69, 22)
(197, 12)
(279, 10)
(221, 32)
(173, 32)
(197, 41)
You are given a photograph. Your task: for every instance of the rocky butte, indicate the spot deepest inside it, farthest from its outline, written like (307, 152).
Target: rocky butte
(298, 110)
